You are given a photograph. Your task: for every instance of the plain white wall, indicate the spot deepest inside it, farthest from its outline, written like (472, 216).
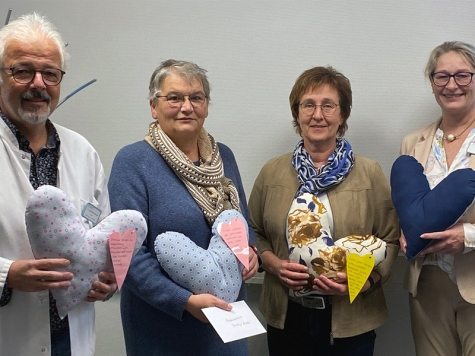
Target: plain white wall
(253, 51)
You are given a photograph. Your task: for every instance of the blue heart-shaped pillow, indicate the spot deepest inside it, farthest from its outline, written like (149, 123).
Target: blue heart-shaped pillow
(421, 209)
(215, 270)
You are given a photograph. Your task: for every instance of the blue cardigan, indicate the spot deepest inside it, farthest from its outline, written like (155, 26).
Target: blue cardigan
(152, 305)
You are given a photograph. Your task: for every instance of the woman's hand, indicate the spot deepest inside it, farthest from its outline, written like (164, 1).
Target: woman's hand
(253, 266)
(196, 302)
(329, 286)
(339, 285)
(450, 241)
(292, 275)
(403, 243)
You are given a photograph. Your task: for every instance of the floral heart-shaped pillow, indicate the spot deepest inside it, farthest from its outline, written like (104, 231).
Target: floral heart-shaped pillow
(311, 244)
(55, 231)
(215, 270)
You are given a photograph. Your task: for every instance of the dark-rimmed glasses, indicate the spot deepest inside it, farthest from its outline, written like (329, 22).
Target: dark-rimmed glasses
(441, 79)
(25, 75)
(327, 108)
(176, 100)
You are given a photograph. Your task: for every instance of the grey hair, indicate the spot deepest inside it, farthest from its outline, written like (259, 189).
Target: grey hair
(30, 28)
(187, 70)
(464, 49)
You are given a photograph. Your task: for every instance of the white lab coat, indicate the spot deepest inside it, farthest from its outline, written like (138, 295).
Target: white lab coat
(24, 322)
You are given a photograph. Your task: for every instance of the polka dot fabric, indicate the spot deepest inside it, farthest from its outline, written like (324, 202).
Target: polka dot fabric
(215, 271)
(56, 231)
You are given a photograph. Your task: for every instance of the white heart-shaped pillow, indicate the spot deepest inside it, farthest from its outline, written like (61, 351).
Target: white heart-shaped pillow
(215, 270)
(331, 258)
(55, 231)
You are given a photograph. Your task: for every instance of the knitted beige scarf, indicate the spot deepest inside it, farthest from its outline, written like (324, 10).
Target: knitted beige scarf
(212, 191)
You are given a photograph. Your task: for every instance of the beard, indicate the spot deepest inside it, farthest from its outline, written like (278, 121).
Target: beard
(35, 115)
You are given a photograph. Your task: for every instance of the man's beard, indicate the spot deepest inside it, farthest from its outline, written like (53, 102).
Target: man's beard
(34, 116)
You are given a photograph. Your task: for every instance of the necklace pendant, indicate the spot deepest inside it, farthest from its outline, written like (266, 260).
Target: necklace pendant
(450, 137)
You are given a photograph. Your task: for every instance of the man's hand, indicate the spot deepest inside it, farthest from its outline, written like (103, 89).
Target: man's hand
(38, 275)
(103, 288)
(196, 302)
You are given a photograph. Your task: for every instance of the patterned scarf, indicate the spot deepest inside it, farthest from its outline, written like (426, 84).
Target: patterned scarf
(335, 171)
(212, 191)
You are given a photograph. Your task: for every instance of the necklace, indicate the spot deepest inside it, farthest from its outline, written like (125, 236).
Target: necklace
(452, 137)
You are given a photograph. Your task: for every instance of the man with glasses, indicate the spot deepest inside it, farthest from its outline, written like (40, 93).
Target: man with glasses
(35, 152)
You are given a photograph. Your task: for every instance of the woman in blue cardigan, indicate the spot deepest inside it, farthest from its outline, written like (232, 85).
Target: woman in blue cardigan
(181, 180)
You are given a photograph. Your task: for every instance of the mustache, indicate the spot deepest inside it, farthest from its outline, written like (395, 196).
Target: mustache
(34, 94)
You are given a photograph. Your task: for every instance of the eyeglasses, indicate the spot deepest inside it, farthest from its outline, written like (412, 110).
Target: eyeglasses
(25, 75)
(461, 78)
(176, 100)
(327, 109)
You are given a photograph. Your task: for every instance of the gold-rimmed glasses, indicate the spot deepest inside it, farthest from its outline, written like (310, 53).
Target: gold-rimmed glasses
(327, 108)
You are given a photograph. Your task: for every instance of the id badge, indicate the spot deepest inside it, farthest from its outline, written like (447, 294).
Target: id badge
(91, 213)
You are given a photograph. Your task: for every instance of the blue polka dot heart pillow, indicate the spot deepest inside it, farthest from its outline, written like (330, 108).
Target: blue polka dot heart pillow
(215, 270)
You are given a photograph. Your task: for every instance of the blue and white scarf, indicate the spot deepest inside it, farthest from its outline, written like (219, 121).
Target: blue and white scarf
(335, 171)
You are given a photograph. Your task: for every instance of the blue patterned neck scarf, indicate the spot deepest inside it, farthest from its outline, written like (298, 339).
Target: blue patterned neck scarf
(335, 171)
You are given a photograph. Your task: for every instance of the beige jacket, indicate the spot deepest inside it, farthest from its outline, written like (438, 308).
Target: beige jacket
(361, 204)
(418, 144)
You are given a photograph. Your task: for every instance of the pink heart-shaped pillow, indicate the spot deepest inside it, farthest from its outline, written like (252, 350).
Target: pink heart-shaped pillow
(55, 231)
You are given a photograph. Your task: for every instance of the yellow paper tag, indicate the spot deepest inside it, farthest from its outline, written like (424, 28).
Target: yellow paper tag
(358, 268)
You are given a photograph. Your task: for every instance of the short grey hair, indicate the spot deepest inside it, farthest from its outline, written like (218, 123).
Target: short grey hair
(29, 28)
(464, 49)
(187, 70)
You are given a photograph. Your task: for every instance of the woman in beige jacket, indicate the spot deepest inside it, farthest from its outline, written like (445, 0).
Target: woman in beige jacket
(441, 280)
(355, 196)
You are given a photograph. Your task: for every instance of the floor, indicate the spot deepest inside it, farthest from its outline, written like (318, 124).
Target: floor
(258, 343)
